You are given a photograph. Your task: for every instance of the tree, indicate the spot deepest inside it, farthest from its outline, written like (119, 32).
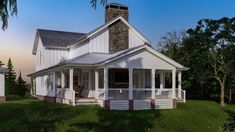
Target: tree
(94, 3)
(219, 36)
(7, 6)
(21, 86)
(1, 64)
(10, 79)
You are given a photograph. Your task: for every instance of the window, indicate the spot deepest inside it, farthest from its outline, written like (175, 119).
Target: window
(40, 58)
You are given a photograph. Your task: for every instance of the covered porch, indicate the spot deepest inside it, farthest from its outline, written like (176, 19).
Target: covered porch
(118, 88)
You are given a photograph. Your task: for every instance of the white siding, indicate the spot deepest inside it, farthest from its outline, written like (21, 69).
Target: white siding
(42, 87)
(134, 39)
(163, 103)
(40, 63)
(2, 85)
(141, 59)
(55, 56)
(119, 104)
(142, 104)
(100, 42)
(78, 50)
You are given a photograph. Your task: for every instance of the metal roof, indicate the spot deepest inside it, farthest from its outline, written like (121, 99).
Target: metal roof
(3, 70)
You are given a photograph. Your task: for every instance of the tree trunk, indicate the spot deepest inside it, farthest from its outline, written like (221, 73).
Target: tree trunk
(222, 94)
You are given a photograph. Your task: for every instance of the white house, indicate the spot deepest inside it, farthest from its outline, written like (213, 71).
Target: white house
(2, 83)
(113, 65)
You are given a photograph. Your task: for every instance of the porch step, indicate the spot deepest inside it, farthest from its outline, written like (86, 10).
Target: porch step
(86, 102)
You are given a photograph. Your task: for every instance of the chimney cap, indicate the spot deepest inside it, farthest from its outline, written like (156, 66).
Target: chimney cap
(117, 6)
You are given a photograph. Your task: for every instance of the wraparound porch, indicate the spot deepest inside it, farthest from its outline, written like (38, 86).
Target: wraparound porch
(120, 88)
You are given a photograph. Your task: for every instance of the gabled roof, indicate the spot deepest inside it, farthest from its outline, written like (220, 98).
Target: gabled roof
(56, 39)
(106, 25)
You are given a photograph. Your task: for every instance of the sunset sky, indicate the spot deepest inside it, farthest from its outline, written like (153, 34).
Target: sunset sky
(151, 17)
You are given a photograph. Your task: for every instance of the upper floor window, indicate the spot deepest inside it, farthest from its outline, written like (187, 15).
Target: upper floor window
(40, 58)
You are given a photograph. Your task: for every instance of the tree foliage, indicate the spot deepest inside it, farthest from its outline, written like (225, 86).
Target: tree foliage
(21, 86)
(7, 7)
(94, 3)
(10, 79)
(208, 50)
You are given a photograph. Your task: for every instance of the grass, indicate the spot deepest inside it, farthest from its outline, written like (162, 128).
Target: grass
(33, 115)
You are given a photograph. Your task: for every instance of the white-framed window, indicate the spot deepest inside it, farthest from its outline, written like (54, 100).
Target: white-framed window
(40, 58)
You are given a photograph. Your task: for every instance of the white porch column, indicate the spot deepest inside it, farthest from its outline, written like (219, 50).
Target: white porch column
(130, 90)
(153, 84)
(62, 80)
(173, 83)
(96, 83)
(162, 80)
(179, 84)
(71, 78)
(54, 83)
(106, 85)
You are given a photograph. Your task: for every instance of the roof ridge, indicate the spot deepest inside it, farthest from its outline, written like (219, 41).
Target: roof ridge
(40, 29)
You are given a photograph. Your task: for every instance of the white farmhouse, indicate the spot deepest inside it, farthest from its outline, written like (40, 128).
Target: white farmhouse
(113, 65)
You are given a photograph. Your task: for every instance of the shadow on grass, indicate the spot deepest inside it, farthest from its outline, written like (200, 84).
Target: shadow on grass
(118, 121)
(230, 124)
(33, 115)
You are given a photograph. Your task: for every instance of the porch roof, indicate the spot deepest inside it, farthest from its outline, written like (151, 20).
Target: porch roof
(3, 70)
(99, 59)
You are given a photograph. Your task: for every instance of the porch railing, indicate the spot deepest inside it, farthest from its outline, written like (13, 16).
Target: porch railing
(181, 95)
(66, 94)
(141, 93)
(163, 94)
(118, 93)
(100, 94)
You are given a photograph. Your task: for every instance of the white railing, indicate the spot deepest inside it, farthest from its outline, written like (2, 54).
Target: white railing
(100, 94)
(163, 94)
(66, 94)
(181, 95)
(118, 93)
(141, 93)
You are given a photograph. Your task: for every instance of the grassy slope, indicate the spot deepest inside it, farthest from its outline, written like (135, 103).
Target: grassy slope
(33, 115)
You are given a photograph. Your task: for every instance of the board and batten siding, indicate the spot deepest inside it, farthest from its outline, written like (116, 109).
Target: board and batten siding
(55, 56)
(79, 49)
(39, 56)
(134, 39)
(100, 43)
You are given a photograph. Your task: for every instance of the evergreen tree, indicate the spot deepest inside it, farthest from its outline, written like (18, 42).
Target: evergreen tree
(10, 79)
(21, 86)
(1, 64)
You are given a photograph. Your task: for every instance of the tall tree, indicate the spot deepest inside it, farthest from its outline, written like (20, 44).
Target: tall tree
(10, 79)
(21, 86)
(7, 7)
(219, 35)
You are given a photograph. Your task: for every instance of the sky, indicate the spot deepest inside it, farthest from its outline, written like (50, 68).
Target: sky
(153, 18)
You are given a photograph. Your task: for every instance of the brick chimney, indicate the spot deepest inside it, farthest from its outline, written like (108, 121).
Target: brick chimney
(118, 31)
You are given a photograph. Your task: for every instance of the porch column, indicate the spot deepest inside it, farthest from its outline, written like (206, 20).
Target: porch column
(153, 89)
(179, 84)
(106, 83)
(71, 78)
(106, 102)
(54, 83)
(153, 83)
(96, 83)
(32, 87)
(162, 80)
(62, 80)
(130, 84)
(173, 83)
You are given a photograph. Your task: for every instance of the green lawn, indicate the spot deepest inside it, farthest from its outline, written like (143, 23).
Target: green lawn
(33, 115)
